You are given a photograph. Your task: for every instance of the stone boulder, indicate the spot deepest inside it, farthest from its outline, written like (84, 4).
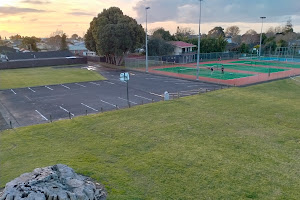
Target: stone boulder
(58, 182)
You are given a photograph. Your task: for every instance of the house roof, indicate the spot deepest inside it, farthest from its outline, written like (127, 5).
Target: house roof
(5, 49)
(181, 44)
(32, 55)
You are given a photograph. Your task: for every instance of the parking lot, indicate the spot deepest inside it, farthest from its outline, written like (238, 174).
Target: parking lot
(35, 105)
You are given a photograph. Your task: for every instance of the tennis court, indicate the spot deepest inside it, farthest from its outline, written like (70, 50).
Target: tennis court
(246, 68)
(205, 73)
(267, 63)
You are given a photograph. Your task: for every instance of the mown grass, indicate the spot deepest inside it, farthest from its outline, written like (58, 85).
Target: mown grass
(17, 78)
(238, 143)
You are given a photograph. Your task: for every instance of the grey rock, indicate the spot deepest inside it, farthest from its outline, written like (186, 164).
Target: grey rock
(58, 182)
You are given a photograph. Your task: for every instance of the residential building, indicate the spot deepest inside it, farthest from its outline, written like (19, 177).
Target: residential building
(182, 47)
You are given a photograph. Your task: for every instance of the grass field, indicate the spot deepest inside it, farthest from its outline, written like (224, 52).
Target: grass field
(16, 78)
(237, 143)
(265, 63)
(247, 68)
(205, 73)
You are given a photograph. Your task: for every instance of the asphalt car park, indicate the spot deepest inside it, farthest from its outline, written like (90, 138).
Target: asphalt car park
(42, 104)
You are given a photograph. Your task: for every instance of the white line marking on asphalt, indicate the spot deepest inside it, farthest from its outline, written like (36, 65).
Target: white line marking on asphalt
(66, 110)
(89, 107)
(155, 94)
(193, 86)
(95, 83)
(80, 85)
(129, 101)
(108, 103)
(41, 115)
(65, 86)
(143, 97)
(109, 82)
(13, 91)
(48, 88)
(31, 89)
(27, 98)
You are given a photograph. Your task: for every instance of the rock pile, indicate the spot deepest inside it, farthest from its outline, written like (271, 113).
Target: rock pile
(58, 182)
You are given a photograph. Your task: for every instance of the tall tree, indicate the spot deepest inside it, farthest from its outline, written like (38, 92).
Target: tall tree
(232, 31)
(183, 33)
(251, 37)
(216, 32)
(288, 27)
(74, 36)
(159, 47)
(63, 43)
(30, 43)
(16, 37)
(162, 33)
(114, 34)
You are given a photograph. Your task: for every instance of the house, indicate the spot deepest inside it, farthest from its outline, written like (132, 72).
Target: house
(229, 39)
(78, 48)
(182, 47)
(4, 50)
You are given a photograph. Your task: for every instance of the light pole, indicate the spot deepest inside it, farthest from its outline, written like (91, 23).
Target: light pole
(262, 23)
(198, 53)
(147, 8)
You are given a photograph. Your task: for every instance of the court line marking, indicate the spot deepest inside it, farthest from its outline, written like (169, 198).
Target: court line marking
(66, 110)
(13, 91)
(31, 89)
(108, 103)
(80, 85)
(41, 115)
(143, 97)
(95, 83)
(48, 87)
(65, 86)
(89, 107)
(129, 101)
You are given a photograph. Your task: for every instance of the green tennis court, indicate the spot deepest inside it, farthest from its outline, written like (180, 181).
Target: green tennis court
(246, 68)
(204, 73)
(266, 63)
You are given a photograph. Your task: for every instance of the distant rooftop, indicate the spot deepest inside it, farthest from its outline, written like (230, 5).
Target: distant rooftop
(181, 44)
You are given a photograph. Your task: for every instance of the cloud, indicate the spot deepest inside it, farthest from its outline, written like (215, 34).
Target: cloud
(16, 10)
(35, 2)
(187, 11)
(81, 13)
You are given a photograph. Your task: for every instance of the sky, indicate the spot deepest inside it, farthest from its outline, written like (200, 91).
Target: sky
(41, 18)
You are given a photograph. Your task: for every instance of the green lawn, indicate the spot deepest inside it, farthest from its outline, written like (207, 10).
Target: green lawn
(247, 68)
(16, 78)
(237, 143)
(266, 63)
(205, 73)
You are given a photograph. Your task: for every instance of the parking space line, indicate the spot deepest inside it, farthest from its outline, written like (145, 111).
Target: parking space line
(89, 107)
(109, 82)
(80, 85)
(41, 115)
(143, 97)
(108, 103)
(66, 110)
(65, 86)
(48, 87)
(13, 91)
(155, 94)
(95, 83)
(129, 101)
(193, 86)
(31, 89)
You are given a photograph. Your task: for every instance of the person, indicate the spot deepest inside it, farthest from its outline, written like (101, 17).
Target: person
(222, 69)
(212, 70)
(220, 58)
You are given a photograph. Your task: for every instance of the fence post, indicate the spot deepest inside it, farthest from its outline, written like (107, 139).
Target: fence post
(10, 123)
(69, 115)
(51, 118)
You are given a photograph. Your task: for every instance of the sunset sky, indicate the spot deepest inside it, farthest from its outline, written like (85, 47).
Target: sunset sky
(42, 17)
